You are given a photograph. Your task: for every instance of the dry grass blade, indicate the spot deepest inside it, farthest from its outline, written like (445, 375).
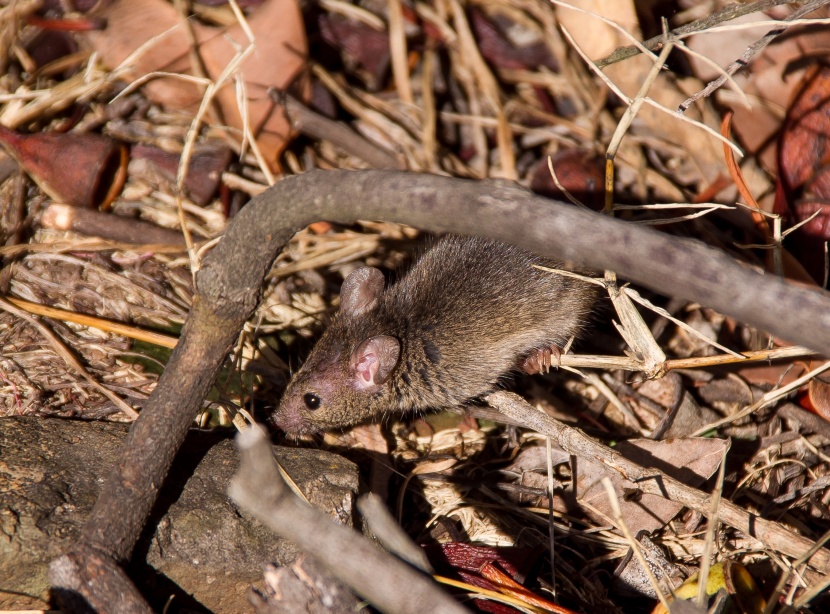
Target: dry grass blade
(637, 102)
(711, 534)
(85, 245)
(634, 295)
(397, 45)
(118, 328)
(682, 218)
(62, 351)
(190, 140)
(637, 335)
(633, 544)
(742, 97)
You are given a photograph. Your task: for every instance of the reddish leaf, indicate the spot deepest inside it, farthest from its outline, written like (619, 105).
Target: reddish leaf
(456, 556)
(278, 60)
(803, 158)
(509, 586)
(497, 49)
(362, 45)
(204, 172)
(86, 170)
(580, 172)
(81, 24)
(805, 142)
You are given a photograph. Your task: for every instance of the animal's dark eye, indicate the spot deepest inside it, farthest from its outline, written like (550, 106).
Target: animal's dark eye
(311, 400)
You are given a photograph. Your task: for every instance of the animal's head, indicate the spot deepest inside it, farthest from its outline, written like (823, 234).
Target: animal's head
(343, 381)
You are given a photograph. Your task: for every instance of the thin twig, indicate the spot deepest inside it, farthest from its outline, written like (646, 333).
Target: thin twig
(727, 13)
(637, 102)
(318, 126)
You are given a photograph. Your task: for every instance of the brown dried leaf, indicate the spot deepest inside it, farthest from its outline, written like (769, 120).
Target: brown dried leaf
(501, 52)
(770, 81)
(362, 46)
(694, 155)
(804, 182)
(281, 50)
(690, 460)
(580, 172)
(682, 414)
(81, 169)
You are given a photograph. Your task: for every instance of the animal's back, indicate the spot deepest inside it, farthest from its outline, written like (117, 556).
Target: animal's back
(465, 314)
(472, 306)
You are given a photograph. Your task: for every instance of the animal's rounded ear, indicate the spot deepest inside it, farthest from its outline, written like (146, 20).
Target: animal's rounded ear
(374, 360)
(360, 290)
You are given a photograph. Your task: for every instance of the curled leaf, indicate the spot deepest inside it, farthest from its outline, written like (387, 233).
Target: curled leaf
(81, 169)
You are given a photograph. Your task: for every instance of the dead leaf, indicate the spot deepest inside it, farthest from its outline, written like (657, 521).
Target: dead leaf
(691, 460)
(81, 169)
(280, 56)
(580, 172)
(804, 181)
(362, 46)
(682, 414)
(769, 81)
(497, 48)
(534, 458)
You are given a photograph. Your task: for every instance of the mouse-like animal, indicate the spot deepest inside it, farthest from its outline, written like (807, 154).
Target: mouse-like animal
(469, 311)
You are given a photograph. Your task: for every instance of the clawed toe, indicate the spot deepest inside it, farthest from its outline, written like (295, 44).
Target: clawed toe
(540, 360)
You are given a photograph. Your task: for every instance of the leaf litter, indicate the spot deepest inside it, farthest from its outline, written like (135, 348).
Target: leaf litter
(491, 88)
